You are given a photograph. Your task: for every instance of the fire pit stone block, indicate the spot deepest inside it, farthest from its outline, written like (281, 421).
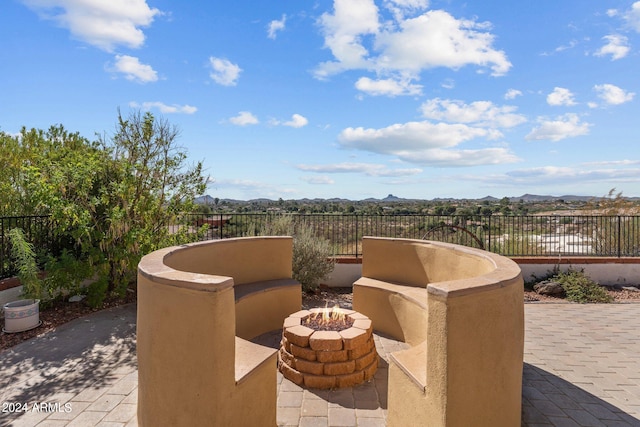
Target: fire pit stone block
(332, 356)
(340, 368)
(350, 380)
(304, 352)
(313, 368)
(320, 381)
(365, 361)
(298, 335)
(327, 359)
(325, 341)
(354, 338)
(357, 353)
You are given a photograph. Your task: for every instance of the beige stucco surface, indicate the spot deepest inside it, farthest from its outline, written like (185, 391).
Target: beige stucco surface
(474, 318)
(192, 369)
(461, 310)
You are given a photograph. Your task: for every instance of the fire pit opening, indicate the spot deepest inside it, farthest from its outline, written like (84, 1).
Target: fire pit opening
(334, 319)
(327, 348)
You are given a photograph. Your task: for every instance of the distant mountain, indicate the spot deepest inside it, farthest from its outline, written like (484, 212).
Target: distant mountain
(531, 198)
(489, 199)
(204, 200)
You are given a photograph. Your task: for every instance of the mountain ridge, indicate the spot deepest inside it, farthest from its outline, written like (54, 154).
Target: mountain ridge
(209, 200)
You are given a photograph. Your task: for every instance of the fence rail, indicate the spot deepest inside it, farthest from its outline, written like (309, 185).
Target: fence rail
(530, 235)
(37, 229)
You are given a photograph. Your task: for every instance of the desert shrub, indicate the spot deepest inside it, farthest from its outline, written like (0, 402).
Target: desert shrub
(24, 256)
(312, 256)
(580, 288)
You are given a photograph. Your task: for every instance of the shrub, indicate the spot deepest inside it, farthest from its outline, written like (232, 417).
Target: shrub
(24, 257)
(312, 256)
(580, 288)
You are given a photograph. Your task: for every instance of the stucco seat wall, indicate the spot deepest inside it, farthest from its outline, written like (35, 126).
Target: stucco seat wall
(473, 336)
(192, 368)
(261, 267)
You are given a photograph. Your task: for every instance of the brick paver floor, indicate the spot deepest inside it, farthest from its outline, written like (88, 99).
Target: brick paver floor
(582, 368)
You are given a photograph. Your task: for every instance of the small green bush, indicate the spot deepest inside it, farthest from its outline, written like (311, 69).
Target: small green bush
(580, 288)
(312, 255)
(24, 257)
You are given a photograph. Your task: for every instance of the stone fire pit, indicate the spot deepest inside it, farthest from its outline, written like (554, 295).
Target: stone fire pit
(341, 355)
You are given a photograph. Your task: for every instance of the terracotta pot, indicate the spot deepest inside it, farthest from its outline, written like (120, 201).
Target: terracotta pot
(21, 315)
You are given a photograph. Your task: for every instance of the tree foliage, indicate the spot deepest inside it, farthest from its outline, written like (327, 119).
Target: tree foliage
(111, 200)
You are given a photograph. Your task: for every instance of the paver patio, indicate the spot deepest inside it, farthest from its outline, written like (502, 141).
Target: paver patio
(582, 368)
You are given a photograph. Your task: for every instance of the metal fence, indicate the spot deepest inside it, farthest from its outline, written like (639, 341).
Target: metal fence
(38, 230)
(530, 235)
(527, 235)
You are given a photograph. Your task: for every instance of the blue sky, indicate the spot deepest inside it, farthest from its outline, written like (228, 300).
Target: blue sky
(346, 98)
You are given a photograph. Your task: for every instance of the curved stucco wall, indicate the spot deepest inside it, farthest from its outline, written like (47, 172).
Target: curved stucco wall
(246, 259)
(474, 319)
(419, 262)
(192, 369)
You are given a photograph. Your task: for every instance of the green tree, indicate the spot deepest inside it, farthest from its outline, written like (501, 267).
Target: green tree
(111, 201)
(149, 186)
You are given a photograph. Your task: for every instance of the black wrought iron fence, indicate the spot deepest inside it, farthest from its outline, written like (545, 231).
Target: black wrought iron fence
(37, 229)
(530, 235)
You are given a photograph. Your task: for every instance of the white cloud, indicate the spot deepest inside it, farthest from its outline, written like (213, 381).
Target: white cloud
(343, 32)
(617, 46)
(223, 71)
(448, 84)
(613, 95)
(399, 8)
(406, 46)
(275, 26)
(164, 108)
(481, 113)
(369, 169)
(318, 180)
(437, 39)
(133, 69)
(104, 24)
(566, 126)
(580, 174)
(612, 12)
(244, 118)
(426, 143)
(560, 96)
(512, 94)
(388, 87)
(632, 16)
(570, 45)
(297, 121)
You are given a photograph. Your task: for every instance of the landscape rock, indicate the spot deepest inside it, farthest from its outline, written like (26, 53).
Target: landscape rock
(549, 288)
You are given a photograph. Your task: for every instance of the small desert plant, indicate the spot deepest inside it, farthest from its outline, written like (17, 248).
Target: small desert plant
(580, 288)
(312, 256)
(24, 257)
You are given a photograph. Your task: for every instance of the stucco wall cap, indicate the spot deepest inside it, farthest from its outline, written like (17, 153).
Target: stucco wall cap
(152, 267)
(504, 270)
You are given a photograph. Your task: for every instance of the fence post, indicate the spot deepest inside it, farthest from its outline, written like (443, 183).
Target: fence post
(619, 237)
(489, 234)
(356, 236)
